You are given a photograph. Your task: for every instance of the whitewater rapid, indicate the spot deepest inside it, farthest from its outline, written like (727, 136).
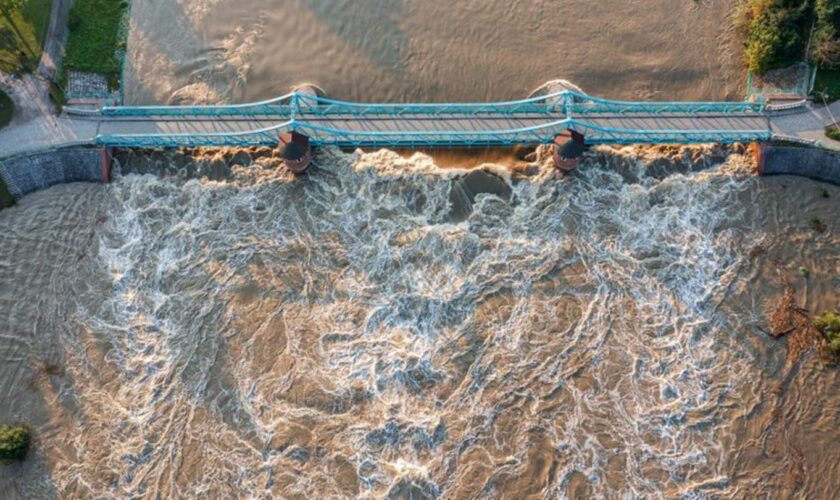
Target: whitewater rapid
(379, 328)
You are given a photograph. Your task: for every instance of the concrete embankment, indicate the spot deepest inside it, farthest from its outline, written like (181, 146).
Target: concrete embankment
(21, 175)
(817, 164)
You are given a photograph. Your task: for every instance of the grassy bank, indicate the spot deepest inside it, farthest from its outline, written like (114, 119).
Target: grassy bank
(94, 37)
(828, 83)
(22, 31)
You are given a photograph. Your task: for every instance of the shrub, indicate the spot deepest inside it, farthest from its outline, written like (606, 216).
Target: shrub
(833, 132)
(825, 46)
(776, 30)
(14, 442)
(817, 225)
(829, 325)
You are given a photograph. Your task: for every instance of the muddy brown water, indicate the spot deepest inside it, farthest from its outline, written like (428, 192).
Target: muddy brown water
(391, 325)
(344, 335)
(426, 50)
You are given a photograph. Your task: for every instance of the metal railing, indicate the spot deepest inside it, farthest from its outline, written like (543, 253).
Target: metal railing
(321, 135)
(563, 103)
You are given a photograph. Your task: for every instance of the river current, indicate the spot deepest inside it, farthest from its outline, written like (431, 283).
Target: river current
(382, 327)
(430, 50)
(401, 326)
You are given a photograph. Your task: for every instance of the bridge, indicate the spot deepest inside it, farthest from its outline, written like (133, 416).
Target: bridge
(536, 120)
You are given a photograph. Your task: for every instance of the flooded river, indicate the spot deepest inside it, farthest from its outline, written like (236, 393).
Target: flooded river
(387, 327)
(427, 50)
(384, 327)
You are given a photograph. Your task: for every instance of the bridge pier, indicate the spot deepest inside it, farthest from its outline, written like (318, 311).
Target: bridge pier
(296, 151)
(568, 148)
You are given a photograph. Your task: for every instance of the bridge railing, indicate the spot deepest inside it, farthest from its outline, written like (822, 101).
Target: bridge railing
(277, 107)
(596, 134)
(538, 134)
(564, 103)
(323, 106)
(268, 136)
(581, 104)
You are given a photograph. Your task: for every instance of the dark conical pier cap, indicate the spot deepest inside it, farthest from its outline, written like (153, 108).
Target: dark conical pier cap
(568, 148)
(295, 150)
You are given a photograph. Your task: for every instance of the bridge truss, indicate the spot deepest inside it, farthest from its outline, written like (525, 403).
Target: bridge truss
(535, 120)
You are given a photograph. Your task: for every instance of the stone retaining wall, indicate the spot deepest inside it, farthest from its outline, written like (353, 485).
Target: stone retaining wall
(817, 164)
(27, 173)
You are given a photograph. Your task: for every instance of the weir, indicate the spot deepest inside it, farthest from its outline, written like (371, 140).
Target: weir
(323, 121)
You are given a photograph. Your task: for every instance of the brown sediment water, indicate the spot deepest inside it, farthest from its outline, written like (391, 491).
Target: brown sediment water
(363, 331)
(426, 50)
(394, 325)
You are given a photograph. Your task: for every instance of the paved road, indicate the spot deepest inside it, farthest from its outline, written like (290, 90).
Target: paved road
(808, 124)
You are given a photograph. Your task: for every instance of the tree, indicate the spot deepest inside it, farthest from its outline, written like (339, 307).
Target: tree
(825, 47)
(8, 8)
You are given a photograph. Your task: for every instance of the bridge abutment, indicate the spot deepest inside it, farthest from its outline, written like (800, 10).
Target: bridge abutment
(759, 152)
(568, 148)
(105, 159)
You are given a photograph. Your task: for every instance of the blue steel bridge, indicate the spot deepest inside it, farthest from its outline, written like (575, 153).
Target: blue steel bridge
(530, 121)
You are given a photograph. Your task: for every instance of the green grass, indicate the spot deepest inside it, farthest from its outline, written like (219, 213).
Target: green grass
(828, 82)
(94, 36)
(22, 36)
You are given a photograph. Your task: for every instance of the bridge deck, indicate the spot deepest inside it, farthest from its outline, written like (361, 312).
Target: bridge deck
(389, 129)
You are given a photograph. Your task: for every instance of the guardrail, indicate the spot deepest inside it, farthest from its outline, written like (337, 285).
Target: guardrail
(322, 135)
(563, 103)
(276, 107)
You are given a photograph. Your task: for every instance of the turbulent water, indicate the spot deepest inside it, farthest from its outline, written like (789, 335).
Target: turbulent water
(387, 327)
(380, 328)
(429, 50)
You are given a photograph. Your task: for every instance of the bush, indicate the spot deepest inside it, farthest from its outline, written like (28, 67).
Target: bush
(777, 32)
(833, 133)
(825, 46)
(14, 442)
(829, 325)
